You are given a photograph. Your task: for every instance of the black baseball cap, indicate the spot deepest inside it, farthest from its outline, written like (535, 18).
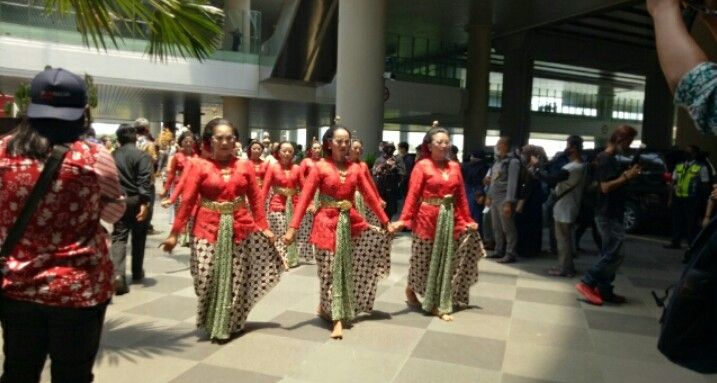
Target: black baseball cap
(59, 94)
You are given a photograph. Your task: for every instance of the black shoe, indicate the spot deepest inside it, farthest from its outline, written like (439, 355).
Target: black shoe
(121, 287)
(507, 259)
(672, 246)
(495, 256)
(152, 231)
(138, 277)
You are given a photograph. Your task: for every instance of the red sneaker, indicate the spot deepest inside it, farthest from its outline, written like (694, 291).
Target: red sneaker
(589, 293)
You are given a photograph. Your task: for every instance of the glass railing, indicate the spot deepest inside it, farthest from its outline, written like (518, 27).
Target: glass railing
(271, 48)
(627, 109)
(23, 19)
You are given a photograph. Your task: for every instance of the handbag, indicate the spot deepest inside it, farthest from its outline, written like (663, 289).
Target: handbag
(16, 232)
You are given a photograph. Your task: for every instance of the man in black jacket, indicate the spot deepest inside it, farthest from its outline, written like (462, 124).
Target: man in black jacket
(135, 174)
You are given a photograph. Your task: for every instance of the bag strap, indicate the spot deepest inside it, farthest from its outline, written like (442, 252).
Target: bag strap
(50, 170)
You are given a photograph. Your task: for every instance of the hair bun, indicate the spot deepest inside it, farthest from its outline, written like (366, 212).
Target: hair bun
(435, 124)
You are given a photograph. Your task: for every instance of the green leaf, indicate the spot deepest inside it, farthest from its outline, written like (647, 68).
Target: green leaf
(188, 29)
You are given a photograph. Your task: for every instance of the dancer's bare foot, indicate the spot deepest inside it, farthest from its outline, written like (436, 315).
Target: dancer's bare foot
(337, 332)
(444, 317)
(411, 298)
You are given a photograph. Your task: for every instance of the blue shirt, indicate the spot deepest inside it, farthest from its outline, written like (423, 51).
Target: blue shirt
(697, 91)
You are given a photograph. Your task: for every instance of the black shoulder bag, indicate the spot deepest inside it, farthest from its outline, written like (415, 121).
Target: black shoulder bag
(52, 167)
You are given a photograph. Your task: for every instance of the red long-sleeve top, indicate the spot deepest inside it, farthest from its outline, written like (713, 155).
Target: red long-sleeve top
(276, 176)
(427, 182)
(176, 167)
(305, 166)
(207, 182)
(179, 186)
(260, 167)
(324, 176)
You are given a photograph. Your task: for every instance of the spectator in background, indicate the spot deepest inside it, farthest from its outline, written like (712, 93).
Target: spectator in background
(568, 190)
(504, 177)
(690, 186)
(57, 280)
(474, 171)
(145, 143)
(409, 159)
(135, 175)
(389, 173)
(453, 155)
(553, 167)
(529, 208)
(596, 285)
(107, 142)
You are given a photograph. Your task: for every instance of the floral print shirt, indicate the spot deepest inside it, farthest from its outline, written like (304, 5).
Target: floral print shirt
(697, 91)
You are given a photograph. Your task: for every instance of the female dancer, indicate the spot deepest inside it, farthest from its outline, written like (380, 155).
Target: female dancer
(282, 179)
(351, 255)
(303, 246)
(256, 148)
(446, 248)
(355, 156)
(234, 262)
(177, 164)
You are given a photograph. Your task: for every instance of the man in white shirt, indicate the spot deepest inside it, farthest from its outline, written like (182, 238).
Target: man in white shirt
(569, 183)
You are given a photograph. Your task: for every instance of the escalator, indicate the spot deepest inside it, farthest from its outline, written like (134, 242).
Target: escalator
(307, 52)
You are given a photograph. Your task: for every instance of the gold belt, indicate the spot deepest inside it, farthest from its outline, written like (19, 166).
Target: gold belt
(343, 205)
(224, 207)
(446, 200)
(286, 192)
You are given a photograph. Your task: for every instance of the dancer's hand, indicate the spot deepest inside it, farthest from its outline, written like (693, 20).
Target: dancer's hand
(269, 235)
(169, 243)
(472, 226)
(311, 209)
(508, 210)
(383, 204)
(390, 229)
(396, 226)
(290, 236)
(166, 203)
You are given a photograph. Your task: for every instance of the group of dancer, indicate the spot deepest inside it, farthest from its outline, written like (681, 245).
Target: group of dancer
(251, 221)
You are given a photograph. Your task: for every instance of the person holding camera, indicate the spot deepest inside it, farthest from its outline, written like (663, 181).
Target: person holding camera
(389, 173)
(596, 285)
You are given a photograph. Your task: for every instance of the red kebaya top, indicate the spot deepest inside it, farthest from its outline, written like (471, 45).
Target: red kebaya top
(176, 166)
(179, 186)
(324, 176)
(367, 172)
(427, 181)
(306, 165)
(259, 169)
(279, 176)
(205, 181)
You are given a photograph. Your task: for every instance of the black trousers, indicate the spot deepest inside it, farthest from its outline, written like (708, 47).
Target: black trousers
(31, 331)
(120, 234)
(685, 219)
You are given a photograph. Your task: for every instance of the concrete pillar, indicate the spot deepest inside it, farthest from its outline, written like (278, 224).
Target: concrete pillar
(236, 110)
(237, 25)
(478, 74)
(313, 121)
(193, 114)
(606, 105)
(517, 88)
(169, 113)
(359, 74)
(659, 111)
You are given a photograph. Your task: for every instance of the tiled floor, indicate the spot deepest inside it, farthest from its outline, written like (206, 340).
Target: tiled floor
(522, 327)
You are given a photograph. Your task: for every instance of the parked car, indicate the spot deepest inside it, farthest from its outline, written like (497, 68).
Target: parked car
(648, 194)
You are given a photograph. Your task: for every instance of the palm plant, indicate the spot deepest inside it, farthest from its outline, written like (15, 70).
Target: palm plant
(188, 29)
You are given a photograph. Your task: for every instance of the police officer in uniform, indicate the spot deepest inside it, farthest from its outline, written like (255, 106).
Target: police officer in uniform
(690, 181)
